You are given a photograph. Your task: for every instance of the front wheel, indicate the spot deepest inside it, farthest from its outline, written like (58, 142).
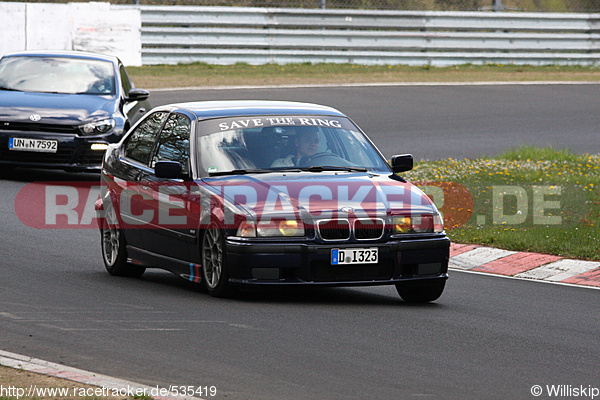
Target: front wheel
(420, 292)
(214, 268)
(114, 247)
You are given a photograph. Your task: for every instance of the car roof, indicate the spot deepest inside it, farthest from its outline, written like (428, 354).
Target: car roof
(233, 108)
(84, 55)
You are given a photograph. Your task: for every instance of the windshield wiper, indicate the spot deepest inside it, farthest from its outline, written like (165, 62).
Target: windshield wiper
(288, 169)
(240, 172)
(9, 89)
(321, 168)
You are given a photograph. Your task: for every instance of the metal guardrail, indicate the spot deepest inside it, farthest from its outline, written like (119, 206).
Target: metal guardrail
(226, 35)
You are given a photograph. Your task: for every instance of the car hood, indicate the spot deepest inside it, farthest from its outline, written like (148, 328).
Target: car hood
(322, 195)
(53, 108)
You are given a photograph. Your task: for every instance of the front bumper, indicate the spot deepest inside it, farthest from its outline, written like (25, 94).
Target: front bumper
(274, 263)
(74, 152)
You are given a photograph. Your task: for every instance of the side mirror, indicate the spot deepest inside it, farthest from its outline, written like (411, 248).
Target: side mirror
(402, 163)
(137, 95)
(168, 170)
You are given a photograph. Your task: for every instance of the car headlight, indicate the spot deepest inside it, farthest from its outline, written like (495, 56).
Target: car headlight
(290, 228)
(97, 127)
(274, 228)
(418, 223)
(246, 229)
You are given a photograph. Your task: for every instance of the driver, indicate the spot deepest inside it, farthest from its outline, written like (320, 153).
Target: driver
(307, 145)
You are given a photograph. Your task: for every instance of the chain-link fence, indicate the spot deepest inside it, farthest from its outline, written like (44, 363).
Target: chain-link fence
(408, 5)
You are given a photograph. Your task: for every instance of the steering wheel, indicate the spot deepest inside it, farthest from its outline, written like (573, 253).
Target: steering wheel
(322, 159)
(102, 86)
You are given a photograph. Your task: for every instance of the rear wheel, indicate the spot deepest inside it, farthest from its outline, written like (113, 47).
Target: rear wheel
(114, 247)
(421, 292)
(214, 267)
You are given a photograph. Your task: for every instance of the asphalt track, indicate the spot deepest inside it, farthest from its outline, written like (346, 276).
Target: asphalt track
(486, 338)
(441, 121)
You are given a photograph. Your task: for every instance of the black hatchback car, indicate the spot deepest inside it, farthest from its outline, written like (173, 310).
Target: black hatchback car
(62, 109)
(254, 193)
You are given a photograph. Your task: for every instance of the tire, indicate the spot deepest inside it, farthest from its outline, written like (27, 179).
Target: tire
(215, 276)
(114, 247)
(421, 292)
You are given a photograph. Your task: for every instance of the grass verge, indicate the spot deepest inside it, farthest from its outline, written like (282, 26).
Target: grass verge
(19, 384)
(199, 74)
(527, 199)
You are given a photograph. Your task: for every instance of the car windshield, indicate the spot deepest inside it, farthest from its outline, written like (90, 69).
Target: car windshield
(57, 75)
(264, 143)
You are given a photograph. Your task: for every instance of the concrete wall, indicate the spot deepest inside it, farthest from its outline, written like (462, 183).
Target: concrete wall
(94, 27)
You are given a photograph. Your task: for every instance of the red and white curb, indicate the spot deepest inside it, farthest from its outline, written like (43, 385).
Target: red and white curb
(112, 385)
(524, 265)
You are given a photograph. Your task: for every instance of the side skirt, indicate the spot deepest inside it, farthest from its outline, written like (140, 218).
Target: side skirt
(189, 271)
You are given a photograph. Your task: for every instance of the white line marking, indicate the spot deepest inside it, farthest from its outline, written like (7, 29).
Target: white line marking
(9, 315)
(560, 270)
(479, 256)
(375, 84)
(60, 328)
(574, 285)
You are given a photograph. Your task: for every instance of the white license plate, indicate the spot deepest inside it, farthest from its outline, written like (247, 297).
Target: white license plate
(354, 256)
(40, 145)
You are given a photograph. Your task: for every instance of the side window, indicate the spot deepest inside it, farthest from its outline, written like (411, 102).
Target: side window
(125, 81)
(140, 143)
(174, 141)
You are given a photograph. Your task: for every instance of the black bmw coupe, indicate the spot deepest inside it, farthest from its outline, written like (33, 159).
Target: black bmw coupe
(258, 193)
